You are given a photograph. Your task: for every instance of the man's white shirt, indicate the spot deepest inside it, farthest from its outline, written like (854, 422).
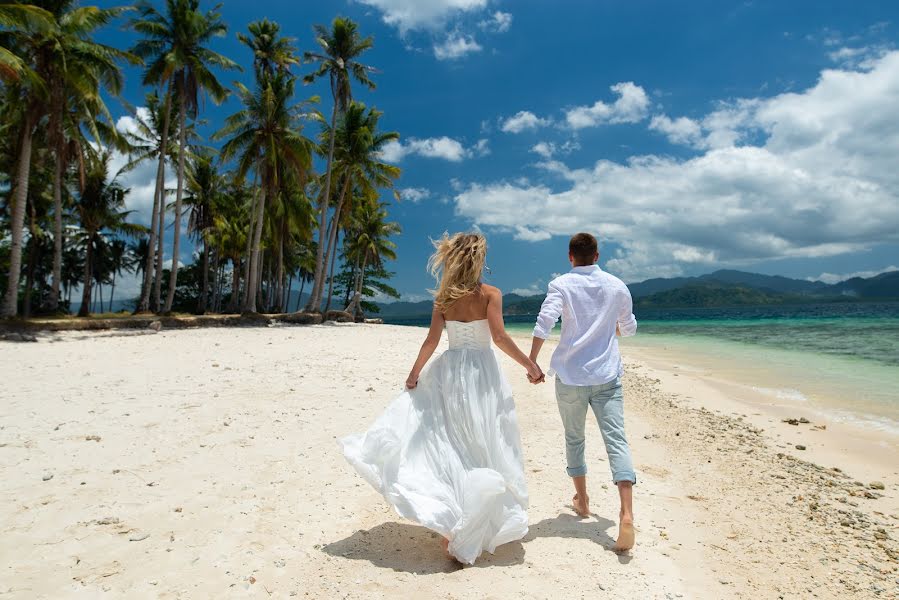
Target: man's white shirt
(592, 303)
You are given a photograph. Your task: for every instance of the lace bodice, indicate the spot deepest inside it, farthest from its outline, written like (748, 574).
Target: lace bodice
(474, 335)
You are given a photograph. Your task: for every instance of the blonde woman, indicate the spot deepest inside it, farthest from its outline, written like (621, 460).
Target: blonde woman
(446, 453)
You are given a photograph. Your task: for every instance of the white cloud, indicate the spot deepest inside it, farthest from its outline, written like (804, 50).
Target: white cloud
(806, 174)
(535, 289)
(415, 195)
(141, 181)
(522, 121)
(548, 149)
(444, 147)
(679, 131)
(455, 46)
(422, 14)
(630, 107)
(834, 278)
(499, 22)
(863, 57)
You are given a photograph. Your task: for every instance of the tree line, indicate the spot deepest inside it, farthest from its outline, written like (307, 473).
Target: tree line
(261, 217)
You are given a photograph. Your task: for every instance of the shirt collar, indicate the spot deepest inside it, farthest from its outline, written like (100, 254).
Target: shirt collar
(585, 269)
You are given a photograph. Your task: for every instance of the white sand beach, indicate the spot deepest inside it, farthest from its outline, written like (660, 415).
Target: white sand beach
(204, 464)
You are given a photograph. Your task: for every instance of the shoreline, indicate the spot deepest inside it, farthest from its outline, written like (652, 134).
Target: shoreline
(224, 478)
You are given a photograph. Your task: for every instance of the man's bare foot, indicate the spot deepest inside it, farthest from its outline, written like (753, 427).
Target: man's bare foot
(581, 507)
(625, 536)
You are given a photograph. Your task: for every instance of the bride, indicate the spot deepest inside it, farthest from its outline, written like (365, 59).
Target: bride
(446, 453)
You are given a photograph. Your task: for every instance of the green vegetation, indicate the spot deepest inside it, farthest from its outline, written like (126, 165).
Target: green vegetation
(260, 216)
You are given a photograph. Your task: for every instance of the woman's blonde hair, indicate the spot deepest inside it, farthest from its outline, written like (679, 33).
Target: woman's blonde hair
(457, 264)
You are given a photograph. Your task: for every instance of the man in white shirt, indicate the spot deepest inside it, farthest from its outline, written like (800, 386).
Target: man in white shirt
(595, 308)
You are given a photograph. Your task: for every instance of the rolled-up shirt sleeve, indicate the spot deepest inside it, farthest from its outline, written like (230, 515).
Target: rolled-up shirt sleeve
(550, 312)
(627, 322)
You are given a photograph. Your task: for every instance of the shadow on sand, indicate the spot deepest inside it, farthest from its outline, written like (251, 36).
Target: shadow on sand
(415, 549)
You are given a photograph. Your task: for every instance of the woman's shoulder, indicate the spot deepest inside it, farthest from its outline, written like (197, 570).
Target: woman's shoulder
(491, 291)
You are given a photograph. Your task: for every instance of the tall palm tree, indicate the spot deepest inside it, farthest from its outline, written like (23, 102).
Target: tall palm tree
(341, 47)
(370, 244)
(175, 49)
(80, 69)
(146, 143)
(100, 208)
(265, 136)
(357, 150)
(270, 51)
(204, 187)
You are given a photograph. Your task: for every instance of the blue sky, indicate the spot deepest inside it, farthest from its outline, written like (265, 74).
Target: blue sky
(687, 136)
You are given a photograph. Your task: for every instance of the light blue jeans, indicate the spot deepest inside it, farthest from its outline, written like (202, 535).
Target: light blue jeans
(607, 403)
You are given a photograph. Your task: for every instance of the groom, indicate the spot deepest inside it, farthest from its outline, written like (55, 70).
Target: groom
(595, 308)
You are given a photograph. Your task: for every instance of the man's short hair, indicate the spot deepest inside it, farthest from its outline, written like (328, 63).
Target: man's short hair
(583, 248)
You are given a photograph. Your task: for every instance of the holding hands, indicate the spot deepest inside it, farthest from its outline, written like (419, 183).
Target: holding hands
(535, 373)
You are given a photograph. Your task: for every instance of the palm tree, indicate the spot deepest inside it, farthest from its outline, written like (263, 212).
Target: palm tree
(174, 46)
(357, 163)
(341, 47)
(22, 18)
(370, 244)
(80, 69)
(270, 52)
(265, 137)
(146, 143)
(101, 208)
(120, 260)
(229, 233)
(204, 186)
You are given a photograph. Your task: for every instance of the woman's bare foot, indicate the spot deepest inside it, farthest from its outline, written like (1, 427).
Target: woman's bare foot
(625, 535)
(581, 507)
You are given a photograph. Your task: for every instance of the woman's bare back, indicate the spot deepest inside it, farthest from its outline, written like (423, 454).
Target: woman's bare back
(472, 307)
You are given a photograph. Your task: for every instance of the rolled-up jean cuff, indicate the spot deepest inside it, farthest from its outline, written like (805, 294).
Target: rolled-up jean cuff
(577, 471)
(624, 476)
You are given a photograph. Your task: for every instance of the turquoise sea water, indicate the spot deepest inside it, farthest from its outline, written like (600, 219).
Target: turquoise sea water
(843, 357)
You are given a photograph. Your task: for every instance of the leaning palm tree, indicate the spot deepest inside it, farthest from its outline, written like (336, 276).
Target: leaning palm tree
(370, 244)
(175, 49)
(100, 209)
(341, 46)
(357, 164)
(26, 98)
(265, 137)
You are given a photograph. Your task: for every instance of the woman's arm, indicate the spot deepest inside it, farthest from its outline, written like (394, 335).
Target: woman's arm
(427, 348)
(502, 339)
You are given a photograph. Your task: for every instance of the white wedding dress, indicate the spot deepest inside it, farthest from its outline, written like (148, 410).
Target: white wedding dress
(447, 454)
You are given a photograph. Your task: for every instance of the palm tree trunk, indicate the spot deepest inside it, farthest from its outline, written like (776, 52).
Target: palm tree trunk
(17, 224)
(253, 279)
(234, 304)
(53, 302)
(250, 237)
(279, 292)
(300, 295)
(202, 304)
(357, 295)
(331, 250)
(285, 302)
(315, 300)
(331, 281)
(88, 277)
(176, 240)
(158, 215)
(112, 291)
(32, 264)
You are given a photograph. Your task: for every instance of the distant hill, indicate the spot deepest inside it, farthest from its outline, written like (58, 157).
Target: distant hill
(721, 288)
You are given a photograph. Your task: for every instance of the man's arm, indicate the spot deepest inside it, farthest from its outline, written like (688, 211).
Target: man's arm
(627, 322)
(550, 312)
